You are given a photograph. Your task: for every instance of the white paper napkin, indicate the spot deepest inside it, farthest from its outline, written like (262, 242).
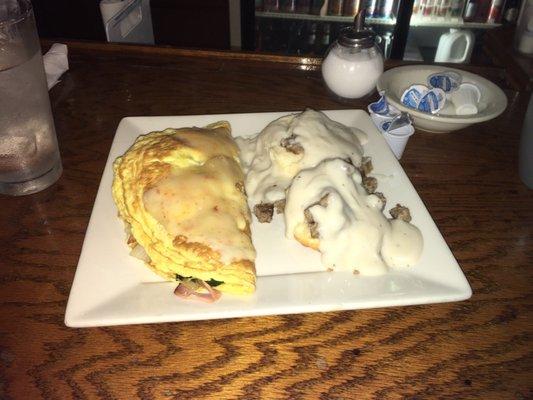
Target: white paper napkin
(55, 63)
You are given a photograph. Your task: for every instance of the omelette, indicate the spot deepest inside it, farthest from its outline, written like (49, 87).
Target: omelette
(180, 193)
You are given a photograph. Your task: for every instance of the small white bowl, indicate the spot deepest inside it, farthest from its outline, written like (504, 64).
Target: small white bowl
(395, 81)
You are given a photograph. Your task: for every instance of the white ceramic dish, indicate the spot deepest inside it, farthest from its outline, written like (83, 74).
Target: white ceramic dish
(396, 80)
(113, 288)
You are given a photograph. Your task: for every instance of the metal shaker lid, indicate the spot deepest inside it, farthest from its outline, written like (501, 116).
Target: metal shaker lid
(356, 36)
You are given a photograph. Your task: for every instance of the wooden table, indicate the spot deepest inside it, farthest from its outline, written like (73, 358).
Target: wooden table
(476, 349)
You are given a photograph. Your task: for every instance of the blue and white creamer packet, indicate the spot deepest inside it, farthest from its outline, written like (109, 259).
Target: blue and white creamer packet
(447, 81)
(432, 101)
(412, 95)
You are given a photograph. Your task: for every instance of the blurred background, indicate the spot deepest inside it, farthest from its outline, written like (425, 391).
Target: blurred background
(416, 30)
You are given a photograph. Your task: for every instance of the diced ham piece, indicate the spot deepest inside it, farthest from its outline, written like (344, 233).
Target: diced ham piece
(190, 292)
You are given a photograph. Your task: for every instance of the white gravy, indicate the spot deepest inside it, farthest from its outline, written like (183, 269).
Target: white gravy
(354, 234)
(269, 167)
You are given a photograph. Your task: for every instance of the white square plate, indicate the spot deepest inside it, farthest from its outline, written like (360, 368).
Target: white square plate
(113, 288)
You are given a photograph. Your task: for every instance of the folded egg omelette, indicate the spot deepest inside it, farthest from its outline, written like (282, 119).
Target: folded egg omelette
(181, 195)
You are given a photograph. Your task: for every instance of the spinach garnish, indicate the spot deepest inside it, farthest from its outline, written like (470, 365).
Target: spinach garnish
(210, 282)
(183, 278)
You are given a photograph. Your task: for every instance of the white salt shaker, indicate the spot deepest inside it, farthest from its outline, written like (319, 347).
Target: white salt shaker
(354, 62)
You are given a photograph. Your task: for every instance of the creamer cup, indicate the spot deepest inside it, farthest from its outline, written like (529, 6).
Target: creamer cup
(397, 122)
(382, 107)
(379, 120)
(448, 81)
(379, 107)
(397, 139)
(412, 95)
(385, 126)
(432, 101)
(466, 99)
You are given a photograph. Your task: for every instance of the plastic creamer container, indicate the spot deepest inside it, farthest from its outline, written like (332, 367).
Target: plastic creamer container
(455, 46)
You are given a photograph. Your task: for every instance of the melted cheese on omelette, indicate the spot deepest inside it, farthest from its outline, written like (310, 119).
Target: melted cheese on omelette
(202, 204)
(180, 193)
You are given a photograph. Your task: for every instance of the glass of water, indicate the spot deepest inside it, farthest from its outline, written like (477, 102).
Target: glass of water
(29, 155)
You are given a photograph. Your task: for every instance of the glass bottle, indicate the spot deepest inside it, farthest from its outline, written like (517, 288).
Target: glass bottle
(353, 63)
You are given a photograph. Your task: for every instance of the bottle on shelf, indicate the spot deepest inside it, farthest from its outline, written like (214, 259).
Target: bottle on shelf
(335, 7)
(288, 6)
(443, 8)
(416, 7)
(456, 8)
(421, 7)
(319, 7)
(511, 10)
(436, 8)
(372, 8)
(429, 8)
(386, 9)
(495, 11)
(482, 12)
(523, 38)
(258, 5)
(470, 10)
(303, 6)
(351, 7)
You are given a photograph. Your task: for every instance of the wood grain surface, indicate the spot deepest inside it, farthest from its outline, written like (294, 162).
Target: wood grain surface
(476, 349)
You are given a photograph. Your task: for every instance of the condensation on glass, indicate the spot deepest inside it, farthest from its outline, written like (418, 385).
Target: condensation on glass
(29, 154)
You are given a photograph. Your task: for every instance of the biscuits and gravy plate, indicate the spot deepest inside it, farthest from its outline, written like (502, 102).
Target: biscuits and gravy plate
(113, 288)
